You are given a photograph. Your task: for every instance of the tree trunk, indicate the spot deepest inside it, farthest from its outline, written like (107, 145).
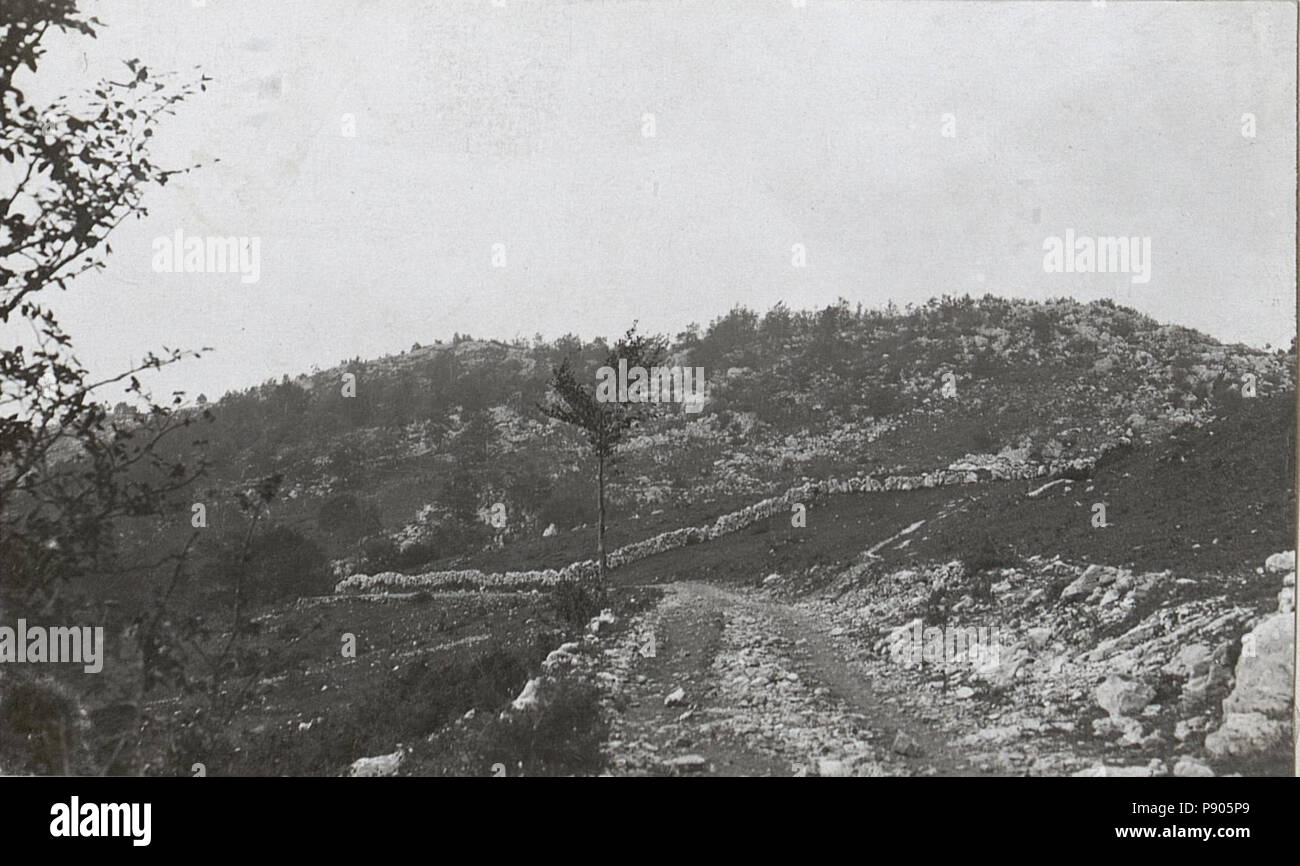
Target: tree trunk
(600, 517)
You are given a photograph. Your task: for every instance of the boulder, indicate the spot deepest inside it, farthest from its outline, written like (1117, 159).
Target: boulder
(606, 617)
(1191, 661)
(1119, 696)
(1200, 686)
(1038, 636)
(1190, 768)
(1264, 681)
(1185, 728)
(1111, 727)
(687, 764)
(1280, 563)
(380, 765)
(905, 745)
(1082, 586)
(1257, 713)
(830, 767)
(527, 699)
(563, 654)
(1121, 772)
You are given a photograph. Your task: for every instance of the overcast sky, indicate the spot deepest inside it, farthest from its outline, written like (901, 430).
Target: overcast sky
(523, 125)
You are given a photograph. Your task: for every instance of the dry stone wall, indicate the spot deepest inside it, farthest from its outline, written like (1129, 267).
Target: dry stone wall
(806, 493)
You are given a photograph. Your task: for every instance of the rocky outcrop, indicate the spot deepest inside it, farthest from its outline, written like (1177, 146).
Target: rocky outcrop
(380, 765)
(1156, 652)
(1257, 714)
(1120, 696)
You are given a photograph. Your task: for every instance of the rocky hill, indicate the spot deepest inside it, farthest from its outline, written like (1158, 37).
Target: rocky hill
(421, 443)
(857, 480)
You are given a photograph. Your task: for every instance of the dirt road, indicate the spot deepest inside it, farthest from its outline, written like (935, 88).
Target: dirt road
(764, 691)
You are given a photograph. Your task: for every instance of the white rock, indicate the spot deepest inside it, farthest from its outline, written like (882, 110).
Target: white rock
(1128, 730)
(1280, 562)
(1191, 767)
(527, 699)
(1119, 696)
(687, 763)
(1257, 713)
(380, 765)
(1191, 660)
(563, 654)
(1121, 772)
(606, 618)
(675, 697)
(1184, 728)
(1081, 587)
(905, 745)
(828, 767)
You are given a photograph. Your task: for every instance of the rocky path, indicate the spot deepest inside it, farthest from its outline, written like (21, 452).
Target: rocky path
(718, 681)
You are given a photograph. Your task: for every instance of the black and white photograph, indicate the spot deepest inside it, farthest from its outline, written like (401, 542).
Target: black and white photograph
(646, 388)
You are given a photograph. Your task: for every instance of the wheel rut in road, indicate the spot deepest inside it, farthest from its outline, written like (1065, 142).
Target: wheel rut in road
(765, 691)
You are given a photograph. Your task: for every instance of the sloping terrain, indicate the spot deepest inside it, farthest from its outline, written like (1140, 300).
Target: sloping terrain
(398, 476)
(1171, 634)
(1119, 644)
(780, 637)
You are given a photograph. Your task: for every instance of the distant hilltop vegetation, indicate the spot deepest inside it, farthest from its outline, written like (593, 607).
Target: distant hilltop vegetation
(399, 462)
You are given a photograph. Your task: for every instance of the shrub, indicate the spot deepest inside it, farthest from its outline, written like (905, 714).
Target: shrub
(577, 601)
(568, 506)
(881, 401)
(346, 518)
(414, 555)
(987, 554)
(281, 564)
(402, 706)
(1113, 455)
(1043, 326)
(378, 553)
(984, 442)
(42, 728)
(562, 737)
(286, 564)
(1076, 473)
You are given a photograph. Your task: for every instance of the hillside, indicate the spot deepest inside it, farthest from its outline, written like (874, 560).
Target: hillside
(778, 638)
(435, 435)
(973, 507)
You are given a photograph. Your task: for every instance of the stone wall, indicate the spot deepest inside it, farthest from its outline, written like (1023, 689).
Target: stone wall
(807, 493)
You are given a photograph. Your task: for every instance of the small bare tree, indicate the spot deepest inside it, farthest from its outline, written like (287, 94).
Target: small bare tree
(603, 424)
